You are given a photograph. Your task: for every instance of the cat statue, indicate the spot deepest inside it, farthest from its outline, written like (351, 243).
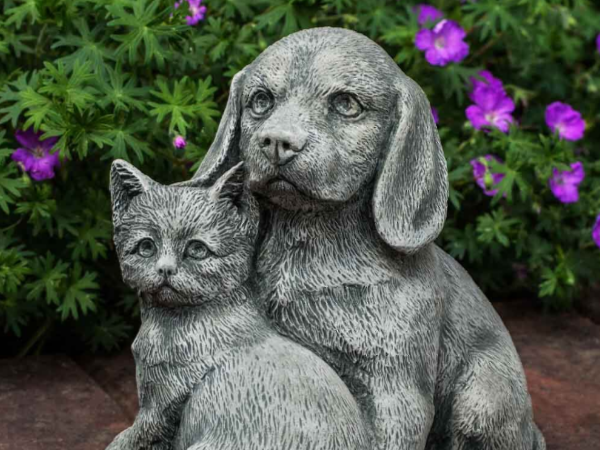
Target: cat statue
(211, 371)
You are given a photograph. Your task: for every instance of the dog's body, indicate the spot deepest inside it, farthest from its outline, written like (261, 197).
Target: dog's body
(341, 148)
(401, 330)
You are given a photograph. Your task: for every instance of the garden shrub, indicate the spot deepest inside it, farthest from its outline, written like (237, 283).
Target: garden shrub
(516, 91)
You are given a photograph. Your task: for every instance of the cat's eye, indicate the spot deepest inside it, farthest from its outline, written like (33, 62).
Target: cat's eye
(146, 248)
(261, 103)
(197, 250)
(346, 105)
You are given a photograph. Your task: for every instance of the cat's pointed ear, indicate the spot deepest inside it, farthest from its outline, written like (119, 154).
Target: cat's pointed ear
(126, 182)
(229, 188)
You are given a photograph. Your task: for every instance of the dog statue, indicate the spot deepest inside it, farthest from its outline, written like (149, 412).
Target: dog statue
(341, 150)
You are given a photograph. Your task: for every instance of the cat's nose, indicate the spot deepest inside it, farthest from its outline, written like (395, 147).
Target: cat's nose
(166, 266)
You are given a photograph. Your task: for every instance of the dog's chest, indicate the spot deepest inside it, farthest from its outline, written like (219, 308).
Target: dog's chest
(340, 303)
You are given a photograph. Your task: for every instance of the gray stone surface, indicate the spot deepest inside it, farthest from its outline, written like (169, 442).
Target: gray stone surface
(50, 403)
(341, 149)
(560, 354)
(212, 372)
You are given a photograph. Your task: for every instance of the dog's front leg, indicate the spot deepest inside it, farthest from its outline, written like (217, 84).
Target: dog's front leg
(402, 380)
(402, 415)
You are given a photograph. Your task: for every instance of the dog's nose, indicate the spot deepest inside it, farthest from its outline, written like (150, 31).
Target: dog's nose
(280, 147)
(166, 266)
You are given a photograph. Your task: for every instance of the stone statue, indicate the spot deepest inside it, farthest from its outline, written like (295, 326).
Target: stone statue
(212, 373)
(341, 151)
(343, 164)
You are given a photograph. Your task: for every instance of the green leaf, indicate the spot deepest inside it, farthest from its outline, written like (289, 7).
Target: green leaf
(121, 92)
(80, 294)
(14, 267)
(12, 93)
(49, 276)
(495, 227)
(90, 241)
(108, 333)
(456, 80)
(184, 102)
(71, 87)
(28, 8)
(90, 48)
(124, 138)
(145, 30)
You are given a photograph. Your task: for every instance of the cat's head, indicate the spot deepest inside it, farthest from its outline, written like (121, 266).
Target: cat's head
(182, 244)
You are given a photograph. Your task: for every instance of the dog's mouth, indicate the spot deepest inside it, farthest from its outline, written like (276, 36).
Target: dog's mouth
(274, 185)
(281, 184)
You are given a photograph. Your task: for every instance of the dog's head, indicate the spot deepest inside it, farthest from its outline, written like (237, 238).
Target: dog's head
(325, 114)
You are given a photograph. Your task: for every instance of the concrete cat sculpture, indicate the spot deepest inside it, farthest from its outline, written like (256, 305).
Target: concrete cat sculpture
(341, 150)
(212, 373)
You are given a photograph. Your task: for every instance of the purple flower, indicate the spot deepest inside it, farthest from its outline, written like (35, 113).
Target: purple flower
(34, 156)
(492, 109)
(484, 177)
(490, 82)
(596, 231)
(434, 113)
(568, 122)
(427, 13)
(179, 142)
(564, 184)
(196, 9)
(443, 44)
(598, 42)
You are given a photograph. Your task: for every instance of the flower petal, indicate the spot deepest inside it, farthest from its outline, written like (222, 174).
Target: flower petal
(24, 157)
(42, 168)
(427, 13)
(424, 39)
(476, 116)
(575, 175)
(596, 228)
(28, 138)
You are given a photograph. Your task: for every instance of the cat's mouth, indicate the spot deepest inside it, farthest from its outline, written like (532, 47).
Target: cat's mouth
(166, 287)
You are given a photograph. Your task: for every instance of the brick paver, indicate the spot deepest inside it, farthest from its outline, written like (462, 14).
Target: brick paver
(50, 403)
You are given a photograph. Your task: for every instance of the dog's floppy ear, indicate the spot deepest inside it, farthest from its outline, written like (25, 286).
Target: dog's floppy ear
(411, 189)
(224, 151)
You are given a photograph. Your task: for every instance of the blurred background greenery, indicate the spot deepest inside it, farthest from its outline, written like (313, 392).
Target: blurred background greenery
(146, 81)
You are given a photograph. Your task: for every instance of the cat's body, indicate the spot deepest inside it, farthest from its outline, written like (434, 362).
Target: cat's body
(211, 371)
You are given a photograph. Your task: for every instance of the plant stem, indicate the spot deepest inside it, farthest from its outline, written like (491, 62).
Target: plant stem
(39, 334)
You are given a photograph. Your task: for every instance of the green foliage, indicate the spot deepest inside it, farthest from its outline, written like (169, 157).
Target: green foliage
(121, 78)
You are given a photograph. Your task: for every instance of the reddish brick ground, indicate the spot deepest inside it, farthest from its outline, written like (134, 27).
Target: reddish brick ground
(51, 403)
(561, 356)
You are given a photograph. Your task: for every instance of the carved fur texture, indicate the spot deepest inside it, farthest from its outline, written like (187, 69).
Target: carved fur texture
(343, 154)
(212, 373)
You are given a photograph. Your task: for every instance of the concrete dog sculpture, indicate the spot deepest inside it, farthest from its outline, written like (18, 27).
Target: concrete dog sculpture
(212, 373)
(342, 151)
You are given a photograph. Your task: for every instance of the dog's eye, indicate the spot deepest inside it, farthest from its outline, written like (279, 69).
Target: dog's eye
(261, 103)
(197, 250)
(346, 105)
(146, 248)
